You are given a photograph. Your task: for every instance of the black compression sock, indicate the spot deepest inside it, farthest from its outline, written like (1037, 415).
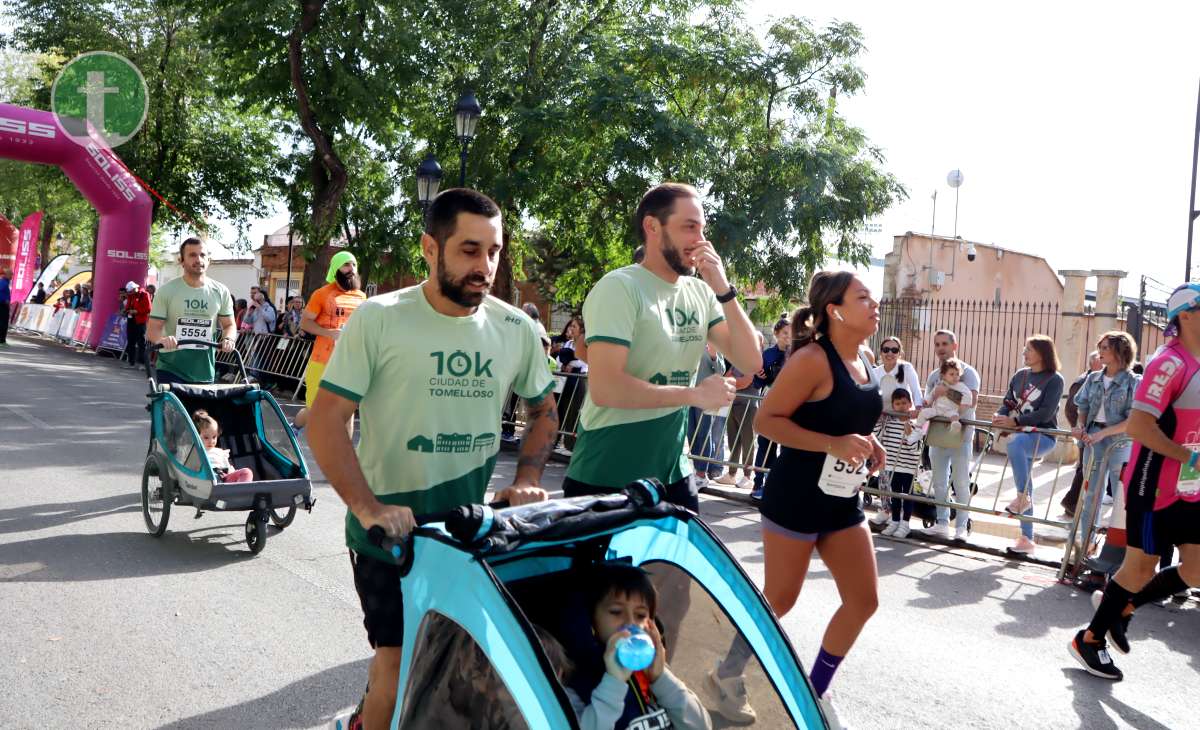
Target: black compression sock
(1164, 585)
(1116, 598)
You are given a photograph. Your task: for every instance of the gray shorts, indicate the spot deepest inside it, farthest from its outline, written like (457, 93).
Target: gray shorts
(769, 526)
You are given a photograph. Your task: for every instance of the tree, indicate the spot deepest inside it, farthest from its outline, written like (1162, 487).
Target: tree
(335, 71)
(588, 104)
(203, 151)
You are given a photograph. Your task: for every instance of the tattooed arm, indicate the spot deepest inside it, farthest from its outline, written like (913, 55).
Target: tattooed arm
(541, 430)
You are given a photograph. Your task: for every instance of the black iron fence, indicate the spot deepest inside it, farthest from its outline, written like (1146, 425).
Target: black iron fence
(991, 335)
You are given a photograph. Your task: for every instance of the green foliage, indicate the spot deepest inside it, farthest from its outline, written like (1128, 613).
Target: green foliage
(204, 151)
(589, 104)
(767, 310)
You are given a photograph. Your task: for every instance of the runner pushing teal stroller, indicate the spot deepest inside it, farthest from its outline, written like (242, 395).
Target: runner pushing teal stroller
(178, 472)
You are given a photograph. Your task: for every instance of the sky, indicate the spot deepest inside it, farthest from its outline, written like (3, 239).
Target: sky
(1072, 124)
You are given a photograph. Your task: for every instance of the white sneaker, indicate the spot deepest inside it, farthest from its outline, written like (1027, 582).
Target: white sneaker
(940, 530)
(699, 481)
(831, 715)
(745, 483)
(902, 530)
(881, 517)
(890, 529)
(961, 533)
(1106, 499)
(727, 697)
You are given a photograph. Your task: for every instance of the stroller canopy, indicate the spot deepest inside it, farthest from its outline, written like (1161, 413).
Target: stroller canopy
(476, 588)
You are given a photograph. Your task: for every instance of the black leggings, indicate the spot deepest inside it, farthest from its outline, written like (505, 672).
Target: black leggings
(901, 484)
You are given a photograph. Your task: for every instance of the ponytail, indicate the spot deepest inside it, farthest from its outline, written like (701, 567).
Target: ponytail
(805, 326)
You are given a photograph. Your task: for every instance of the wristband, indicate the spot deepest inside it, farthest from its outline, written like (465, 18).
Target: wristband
(1192, 461)
(728, 296)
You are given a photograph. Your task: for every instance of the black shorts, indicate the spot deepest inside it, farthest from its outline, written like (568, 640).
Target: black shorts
(1176, 524)
(681, 492)
(378, 586)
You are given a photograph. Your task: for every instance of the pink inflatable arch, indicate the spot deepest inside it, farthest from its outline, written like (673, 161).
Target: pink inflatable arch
(123, 245)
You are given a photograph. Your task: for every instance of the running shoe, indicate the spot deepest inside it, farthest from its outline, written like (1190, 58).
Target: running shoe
(890, 529)
(1094, 658)
(902, 531)
(756, 494)
(1116, 633)
(1018, 505)
(745, 483)
(881, 518)
(830, 710)
(727, 697)
(962, 532)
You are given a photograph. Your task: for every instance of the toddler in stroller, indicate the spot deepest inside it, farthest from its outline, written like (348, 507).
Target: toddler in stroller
(604, 694)
(218, 458)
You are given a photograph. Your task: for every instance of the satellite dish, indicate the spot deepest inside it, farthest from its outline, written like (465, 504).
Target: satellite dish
(954, 178)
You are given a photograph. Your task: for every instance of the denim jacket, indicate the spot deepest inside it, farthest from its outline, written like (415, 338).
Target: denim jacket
(1118, 401)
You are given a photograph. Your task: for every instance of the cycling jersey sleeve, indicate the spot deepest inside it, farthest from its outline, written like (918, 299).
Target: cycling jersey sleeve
(1161, 384)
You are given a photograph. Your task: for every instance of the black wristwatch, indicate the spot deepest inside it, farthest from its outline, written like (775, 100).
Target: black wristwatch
(728, 296)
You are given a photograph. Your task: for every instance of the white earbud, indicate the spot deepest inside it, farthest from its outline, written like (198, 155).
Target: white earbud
(839, 316)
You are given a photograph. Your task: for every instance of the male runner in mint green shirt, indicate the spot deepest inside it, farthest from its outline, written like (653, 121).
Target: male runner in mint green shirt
(647, 325)
(188, 307)
(429, 369)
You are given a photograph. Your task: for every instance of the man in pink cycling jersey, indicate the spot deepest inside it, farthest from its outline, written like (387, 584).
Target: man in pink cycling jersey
(1162, 489)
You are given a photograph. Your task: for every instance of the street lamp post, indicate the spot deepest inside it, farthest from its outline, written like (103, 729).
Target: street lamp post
(466, 116)
(429, 179)
(955, 180)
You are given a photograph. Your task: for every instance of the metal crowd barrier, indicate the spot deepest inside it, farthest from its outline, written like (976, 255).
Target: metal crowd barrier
(273, 355)
(1090, 503)
(760, 464)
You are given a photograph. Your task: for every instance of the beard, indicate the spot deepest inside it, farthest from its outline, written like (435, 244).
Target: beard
(674, 257)
(456, 291)
(348, 282)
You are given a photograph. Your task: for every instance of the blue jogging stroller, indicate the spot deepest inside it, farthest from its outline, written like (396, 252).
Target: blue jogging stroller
(177, 472)
(480, 584)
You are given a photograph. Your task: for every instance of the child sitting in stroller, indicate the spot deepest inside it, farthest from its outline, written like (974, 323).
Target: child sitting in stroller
(952, 404)
(604, 694)
(218, 458)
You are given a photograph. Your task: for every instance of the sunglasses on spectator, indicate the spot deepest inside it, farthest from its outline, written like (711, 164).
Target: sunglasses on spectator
(890, 350)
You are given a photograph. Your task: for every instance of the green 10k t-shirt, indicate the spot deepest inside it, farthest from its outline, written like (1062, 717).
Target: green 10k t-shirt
(430, 389)
(665, 327)
(191, 313)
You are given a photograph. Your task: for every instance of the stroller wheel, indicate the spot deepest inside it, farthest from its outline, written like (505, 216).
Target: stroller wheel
(157, 497)
(281, 518)
(256, 532)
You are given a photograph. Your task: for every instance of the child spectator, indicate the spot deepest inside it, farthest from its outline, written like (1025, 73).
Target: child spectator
(953, 404)
(606, 695)
(903, 456)
(218, 458)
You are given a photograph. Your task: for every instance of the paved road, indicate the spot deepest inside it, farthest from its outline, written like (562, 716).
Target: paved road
(107, 627)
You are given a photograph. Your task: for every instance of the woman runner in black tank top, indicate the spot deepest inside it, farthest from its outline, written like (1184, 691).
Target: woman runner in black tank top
(793, 499)
(821, 411)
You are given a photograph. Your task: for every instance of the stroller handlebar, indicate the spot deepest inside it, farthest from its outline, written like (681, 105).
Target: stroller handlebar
(152, 372)
(462, 522)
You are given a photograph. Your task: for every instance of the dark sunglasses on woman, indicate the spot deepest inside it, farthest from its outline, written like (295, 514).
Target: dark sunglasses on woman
(890, 350)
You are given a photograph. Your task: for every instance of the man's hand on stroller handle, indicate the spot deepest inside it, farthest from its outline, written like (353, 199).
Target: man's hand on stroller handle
(395, 520)
(519, 494)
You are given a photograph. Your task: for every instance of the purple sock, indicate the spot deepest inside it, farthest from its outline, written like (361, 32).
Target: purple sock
(822, 671)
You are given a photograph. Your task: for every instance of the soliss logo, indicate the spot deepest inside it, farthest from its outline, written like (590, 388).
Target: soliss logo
(128, 255)
(113, 172)
(31, 129)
